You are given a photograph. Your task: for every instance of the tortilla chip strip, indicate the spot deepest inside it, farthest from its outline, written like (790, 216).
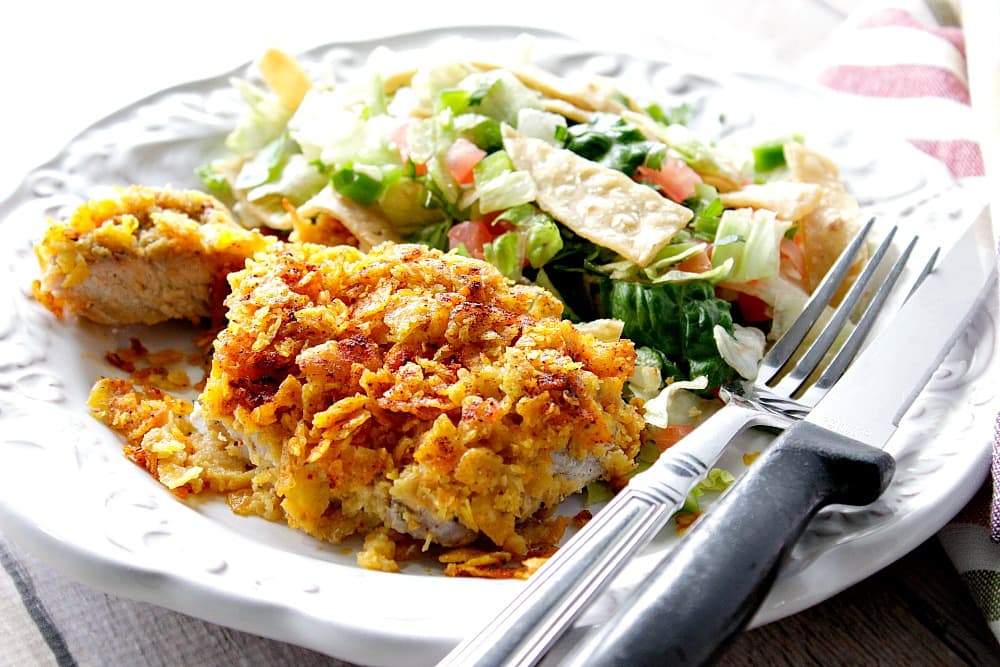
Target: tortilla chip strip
(789, 200)
(285, 76)
(363, 222)
(829, 227)
(600, 204)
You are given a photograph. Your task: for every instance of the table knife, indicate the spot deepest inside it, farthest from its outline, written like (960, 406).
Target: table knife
(707, 589)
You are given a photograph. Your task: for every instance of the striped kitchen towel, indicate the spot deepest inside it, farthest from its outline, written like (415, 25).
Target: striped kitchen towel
(906, 63)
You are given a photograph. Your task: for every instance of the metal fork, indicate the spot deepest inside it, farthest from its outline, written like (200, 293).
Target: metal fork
(560, 590)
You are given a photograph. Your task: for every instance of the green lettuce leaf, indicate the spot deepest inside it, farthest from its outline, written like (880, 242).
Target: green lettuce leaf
(610, 141)
(676, 319)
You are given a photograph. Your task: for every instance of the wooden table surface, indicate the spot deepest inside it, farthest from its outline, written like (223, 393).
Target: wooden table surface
(917, 611)
(914, 613)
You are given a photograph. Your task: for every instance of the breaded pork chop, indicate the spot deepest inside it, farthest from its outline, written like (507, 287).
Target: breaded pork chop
(413, 390)
(144, 256)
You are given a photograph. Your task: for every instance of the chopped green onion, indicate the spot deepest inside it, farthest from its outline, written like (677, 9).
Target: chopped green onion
(769, 156)
(456, 99)
(356, 186)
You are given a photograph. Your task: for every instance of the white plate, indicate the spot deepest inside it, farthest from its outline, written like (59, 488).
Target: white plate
(68, 494)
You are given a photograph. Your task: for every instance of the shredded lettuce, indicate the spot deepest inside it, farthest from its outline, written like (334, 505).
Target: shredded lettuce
(716, 481)
(263, 120)
(481, 130)
(408, 203)
(496, 93)
(297, 181)
(676, 403)
(540, 232)
(707, 209)
(266, 164)
(345, 124)
(500, 186)
(750, 238)
(743, 348)
(429, 82)
(543, 125)
(663, 267)
(505, 254)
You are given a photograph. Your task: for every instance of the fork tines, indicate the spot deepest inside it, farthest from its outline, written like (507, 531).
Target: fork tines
(832, 329)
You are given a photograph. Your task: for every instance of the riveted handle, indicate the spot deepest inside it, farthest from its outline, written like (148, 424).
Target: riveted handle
(708, 588)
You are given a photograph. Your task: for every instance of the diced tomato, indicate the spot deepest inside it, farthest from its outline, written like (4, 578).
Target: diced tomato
(497, 227)
(726, 293)
(753, 309)
(461, 157)
(473, 234)
(675, 178)
(400, 138)
(667, 437)
(793, 263)
(699, 263)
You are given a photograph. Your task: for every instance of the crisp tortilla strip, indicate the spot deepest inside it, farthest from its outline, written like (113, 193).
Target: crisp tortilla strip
(789, 200)
(831, 225)
(807, 166)
(366, 224)
(600, 204)
(594, 93)
(564, 108)
(285, 76)
(712, 169)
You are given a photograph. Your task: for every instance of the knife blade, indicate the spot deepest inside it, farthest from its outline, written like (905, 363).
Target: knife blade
(707, 589)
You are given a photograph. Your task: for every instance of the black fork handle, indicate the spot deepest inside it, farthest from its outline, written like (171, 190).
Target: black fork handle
(707, 589)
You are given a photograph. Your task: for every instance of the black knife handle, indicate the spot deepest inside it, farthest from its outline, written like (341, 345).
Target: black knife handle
(707, 588)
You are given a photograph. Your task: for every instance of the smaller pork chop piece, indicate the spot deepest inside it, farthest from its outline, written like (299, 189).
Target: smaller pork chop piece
(145, 256)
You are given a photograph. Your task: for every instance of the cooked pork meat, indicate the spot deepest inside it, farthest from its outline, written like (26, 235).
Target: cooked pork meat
(403, 391)
(414, 390)
(144, 256)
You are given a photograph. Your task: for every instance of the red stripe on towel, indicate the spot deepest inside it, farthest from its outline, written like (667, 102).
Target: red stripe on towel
(963, 158)
(896, 81)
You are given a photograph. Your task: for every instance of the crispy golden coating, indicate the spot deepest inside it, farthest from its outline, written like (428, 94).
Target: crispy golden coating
(160, 437)
(416, 391)
(144, 256)
(404, 394)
